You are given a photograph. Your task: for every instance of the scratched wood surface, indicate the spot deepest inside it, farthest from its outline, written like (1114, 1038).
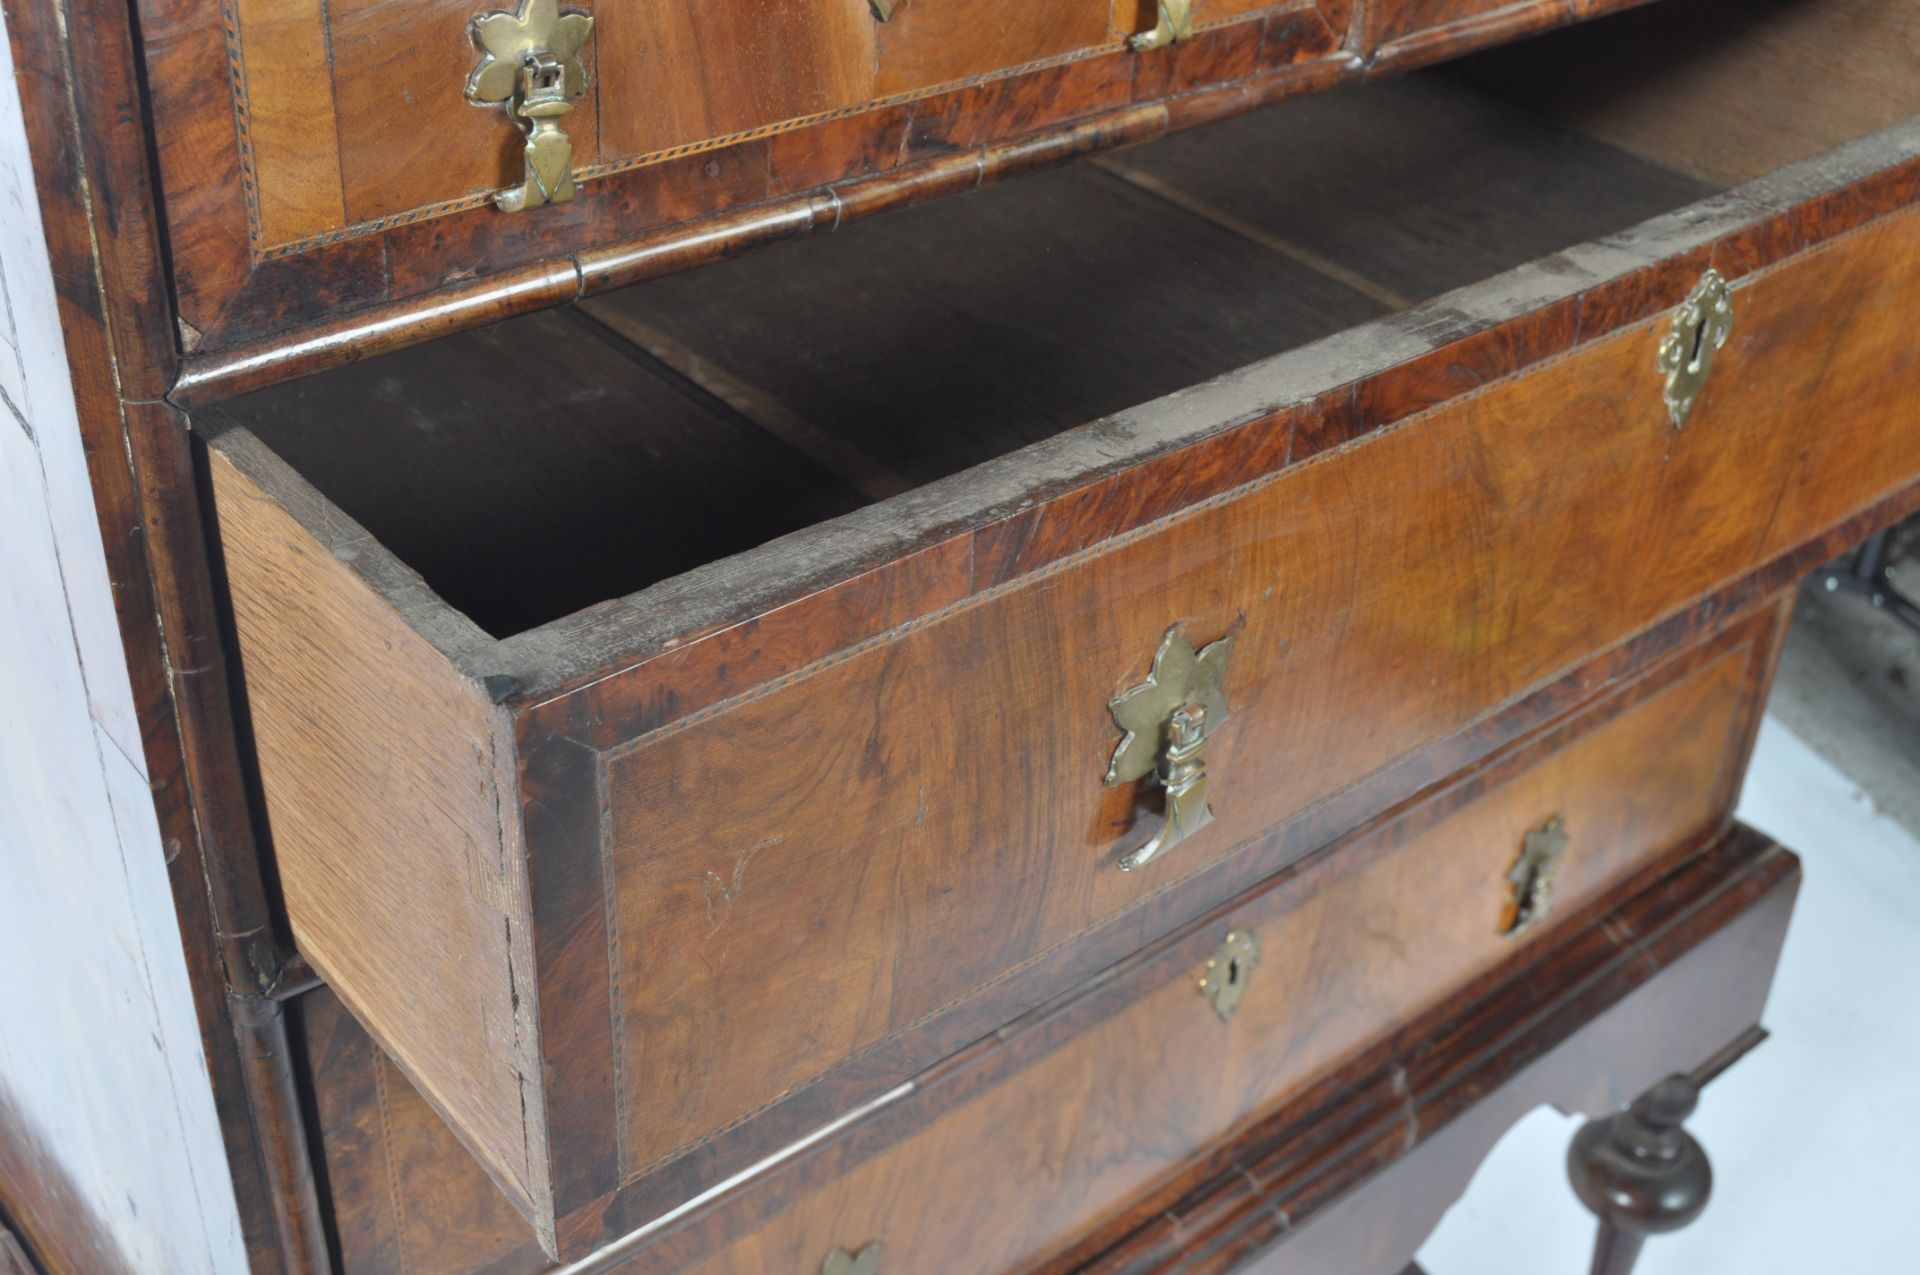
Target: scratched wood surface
(317, 158)
(1642, 772)
(740, 789)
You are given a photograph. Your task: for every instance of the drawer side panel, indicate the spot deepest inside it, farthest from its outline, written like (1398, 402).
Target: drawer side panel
(381, 771)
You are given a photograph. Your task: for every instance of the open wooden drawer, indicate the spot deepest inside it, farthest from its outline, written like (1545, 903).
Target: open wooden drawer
(683, 719)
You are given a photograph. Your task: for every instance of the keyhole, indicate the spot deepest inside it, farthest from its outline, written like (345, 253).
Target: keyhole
(1233, 972)
(1699, 345)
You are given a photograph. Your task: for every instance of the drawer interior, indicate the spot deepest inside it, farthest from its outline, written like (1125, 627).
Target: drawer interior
(535, 468)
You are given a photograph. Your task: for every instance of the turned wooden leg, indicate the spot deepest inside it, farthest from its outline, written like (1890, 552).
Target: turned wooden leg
(1640, 1172)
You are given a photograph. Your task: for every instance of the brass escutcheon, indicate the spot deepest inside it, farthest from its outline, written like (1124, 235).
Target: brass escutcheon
(841, 1262)
(1531, 877)
(1700, 327)
(1224, 981)
(532, 67)
(1165, 722)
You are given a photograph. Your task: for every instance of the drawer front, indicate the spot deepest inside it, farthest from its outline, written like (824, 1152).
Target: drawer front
(322, 158)
(1349, 948)
(1350, 945)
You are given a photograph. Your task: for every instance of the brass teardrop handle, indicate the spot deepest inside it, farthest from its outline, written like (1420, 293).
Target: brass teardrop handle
(1174, 27)
(1165, 722)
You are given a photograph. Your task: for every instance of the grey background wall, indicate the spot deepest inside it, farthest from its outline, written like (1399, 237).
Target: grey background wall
(97, 1033)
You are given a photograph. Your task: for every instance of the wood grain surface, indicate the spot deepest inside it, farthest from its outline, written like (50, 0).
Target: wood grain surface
(405, 1194)
(406, 886)
(1726, 89)
(1491, 559)
(1410, 183)
(1295, 1197)
(1360, 944)
(969, 328)
(749, 831)
(656, 474)
(995, 320)
(967, 1137)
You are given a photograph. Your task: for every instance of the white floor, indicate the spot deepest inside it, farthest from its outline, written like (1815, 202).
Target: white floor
(1814, 1137)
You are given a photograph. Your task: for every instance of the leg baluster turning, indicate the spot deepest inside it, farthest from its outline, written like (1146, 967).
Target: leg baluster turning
(1640, 1172)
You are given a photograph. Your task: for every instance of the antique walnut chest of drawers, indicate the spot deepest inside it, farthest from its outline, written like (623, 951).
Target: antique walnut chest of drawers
(1132, 719)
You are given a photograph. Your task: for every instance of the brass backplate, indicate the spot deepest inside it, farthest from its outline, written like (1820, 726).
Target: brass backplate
(1530, 880)
(1224, 981)
(532, 67)
(1700, 327)
(1164, 724)
(1180, 676)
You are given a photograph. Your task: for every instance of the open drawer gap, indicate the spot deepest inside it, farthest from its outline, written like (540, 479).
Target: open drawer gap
(550, 462)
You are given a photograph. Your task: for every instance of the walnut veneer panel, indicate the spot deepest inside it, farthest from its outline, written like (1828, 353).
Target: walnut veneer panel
(684, 72)
(323, 158)
(405, 1195)
(287, 45)
(742, 791)
(1352, 949)
(1675, 979)
(406, 136)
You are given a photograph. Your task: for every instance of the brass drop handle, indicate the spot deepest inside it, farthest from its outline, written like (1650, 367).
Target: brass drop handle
(841, 1262)
(532, 67)
(1184, 776)
(1166, 721)
(1700, 327)
(1175, 27)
